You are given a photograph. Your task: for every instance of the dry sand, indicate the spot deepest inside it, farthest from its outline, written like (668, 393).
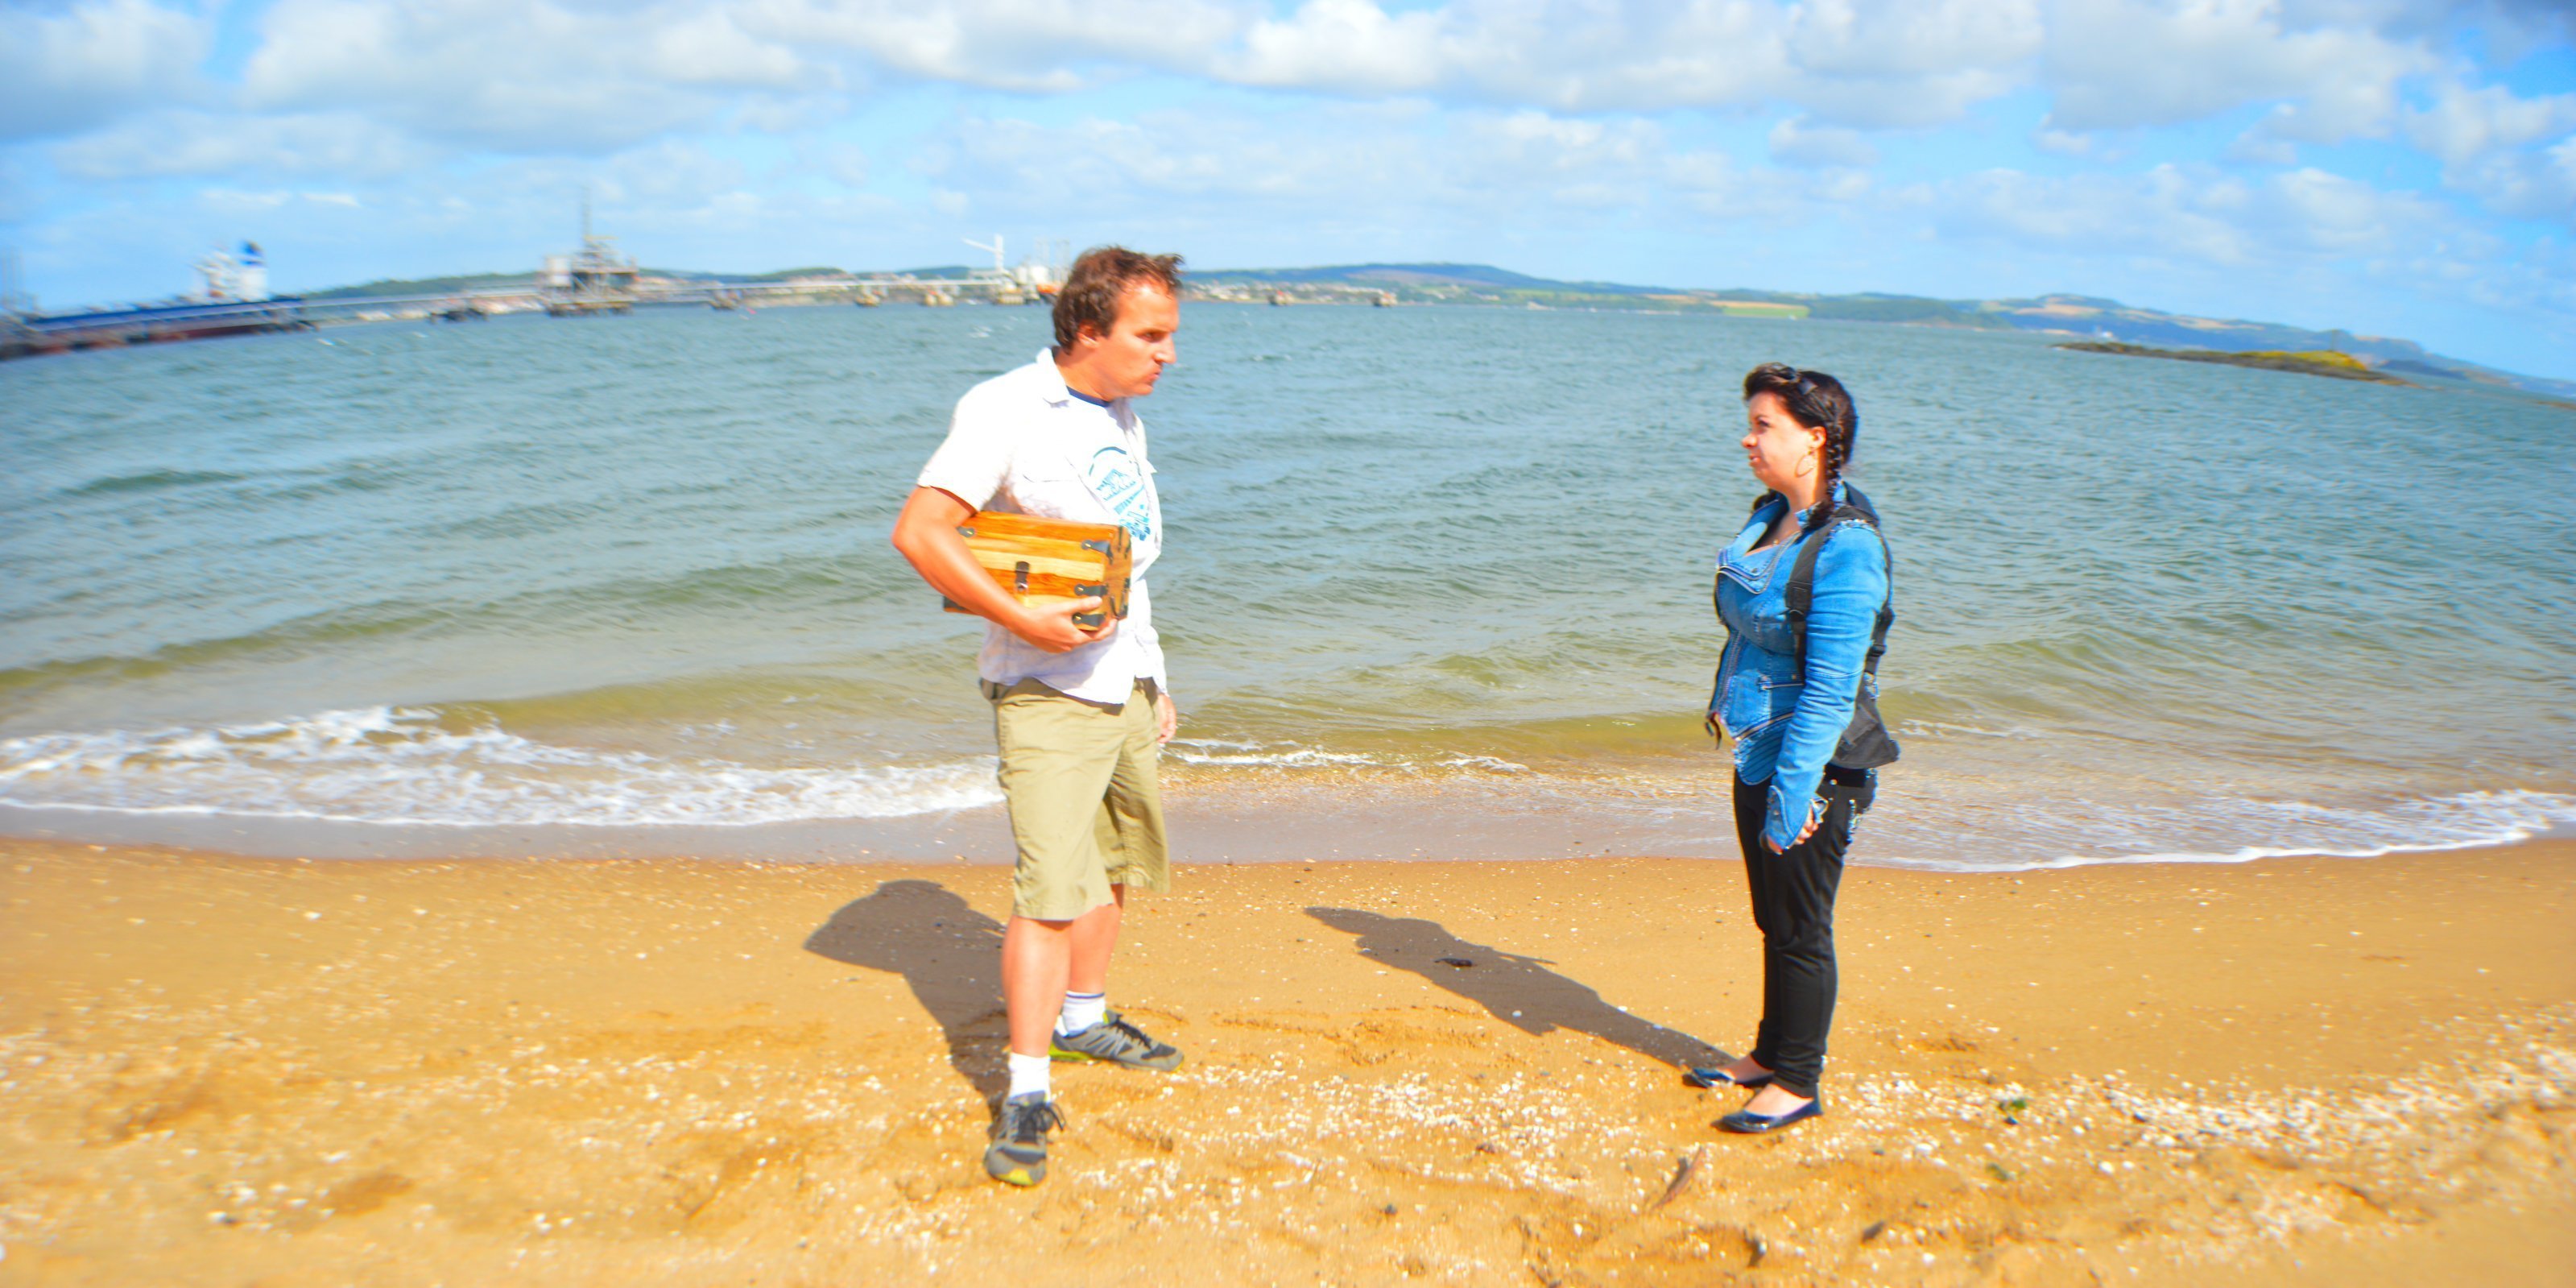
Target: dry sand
(217, 1070)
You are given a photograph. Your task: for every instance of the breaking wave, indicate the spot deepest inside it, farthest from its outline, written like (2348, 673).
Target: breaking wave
(406, 765)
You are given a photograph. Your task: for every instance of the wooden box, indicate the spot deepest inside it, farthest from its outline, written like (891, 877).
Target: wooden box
(1049, 561)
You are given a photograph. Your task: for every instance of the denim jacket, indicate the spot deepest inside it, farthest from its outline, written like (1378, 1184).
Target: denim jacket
(1785, 730)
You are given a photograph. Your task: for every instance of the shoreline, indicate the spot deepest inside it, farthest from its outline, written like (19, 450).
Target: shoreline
(604, 1071)
(1257, 822)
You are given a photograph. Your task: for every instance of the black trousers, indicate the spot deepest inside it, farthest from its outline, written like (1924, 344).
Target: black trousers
(1793, 904)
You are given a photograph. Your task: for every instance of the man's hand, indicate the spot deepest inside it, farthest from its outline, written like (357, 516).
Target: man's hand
(1052, 627)
(1167, 718)
(926, 533)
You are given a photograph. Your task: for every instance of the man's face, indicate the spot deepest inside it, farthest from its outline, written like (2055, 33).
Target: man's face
(1127, 361)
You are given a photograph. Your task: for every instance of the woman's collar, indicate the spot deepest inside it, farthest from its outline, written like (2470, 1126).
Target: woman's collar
(1800, 518)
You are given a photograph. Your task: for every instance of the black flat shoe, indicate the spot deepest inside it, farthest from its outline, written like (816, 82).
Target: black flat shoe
(1746, 1123)
(1719, 1078)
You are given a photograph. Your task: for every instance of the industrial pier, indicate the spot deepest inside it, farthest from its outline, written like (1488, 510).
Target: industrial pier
(594, 280)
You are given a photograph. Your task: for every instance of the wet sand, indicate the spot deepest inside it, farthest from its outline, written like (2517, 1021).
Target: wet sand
(220, 1070)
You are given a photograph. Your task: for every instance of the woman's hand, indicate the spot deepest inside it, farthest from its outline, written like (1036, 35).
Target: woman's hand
(1814, 816)
(1167, 718)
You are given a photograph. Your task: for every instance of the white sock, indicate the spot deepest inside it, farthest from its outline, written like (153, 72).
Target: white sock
(1081, 1011)
(1028, 1075)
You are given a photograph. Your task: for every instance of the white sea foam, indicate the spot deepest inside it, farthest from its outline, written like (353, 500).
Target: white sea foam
(1944, 729)
(1293, 758)
(2020, 838)
(1252, 755)
(410, 766)
(400, 765)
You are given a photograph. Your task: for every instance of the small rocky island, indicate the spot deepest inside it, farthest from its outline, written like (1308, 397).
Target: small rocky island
(2315, 362)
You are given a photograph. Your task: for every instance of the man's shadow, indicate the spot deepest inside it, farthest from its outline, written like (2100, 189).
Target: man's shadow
(951, 956)
(1520, 991)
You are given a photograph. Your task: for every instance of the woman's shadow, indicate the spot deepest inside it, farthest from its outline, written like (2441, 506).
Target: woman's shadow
(1520, 991)
(950, 955)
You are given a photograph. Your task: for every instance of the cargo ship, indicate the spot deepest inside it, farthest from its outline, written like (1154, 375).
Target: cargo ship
(234, 301)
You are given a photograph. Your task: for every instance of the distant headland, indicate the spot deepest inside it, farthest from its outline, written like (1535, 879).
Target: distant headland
(2341, 366)
(2082, 317)
(2089, 318)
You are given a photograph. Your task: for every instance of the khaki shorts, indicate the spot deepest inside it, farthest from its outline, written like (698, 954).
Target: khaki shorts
(1086, 804)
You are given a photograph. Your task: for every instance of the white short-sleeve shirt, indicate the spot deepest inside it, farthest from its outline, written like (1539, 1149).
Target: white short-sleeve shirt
(1023, 443)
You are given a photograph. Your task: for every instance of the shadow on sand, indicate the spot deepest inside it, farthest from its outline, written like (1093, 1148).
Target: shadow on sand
(951, 956)
(1520, 991)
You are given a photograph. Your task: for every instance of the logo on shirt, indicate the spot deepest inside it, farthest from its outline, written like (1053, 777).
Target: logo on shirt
(1116, 479)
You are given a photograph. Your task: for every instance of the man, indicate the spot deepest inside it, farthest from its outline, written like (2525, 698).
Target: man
(1080, 713)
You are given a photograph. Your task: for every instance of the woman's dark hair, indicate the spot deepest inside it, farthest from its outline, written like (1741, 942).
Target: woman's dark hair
(1817, 401)
(1100, 278)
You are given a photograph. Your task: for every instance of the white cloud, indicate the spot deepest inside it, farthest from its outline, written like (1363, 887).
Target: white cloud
(1870, 62)
(1710, 183)
(1796, 142)
(1352, 46)
(1395, 173)
(73, 68)
(667, 176)
(2187, 214)
(767, 114)
(2518, 155)
(1100, 165)
(515, 76)
(574, 77)
(2464, 126)
(708, 49)
(204, 144)
(1036, 46)
(1532, 142)
(1859, 62)
(2118, 64)
(236, 201)
(843, 163)
(2065, 143)
(2256, 147)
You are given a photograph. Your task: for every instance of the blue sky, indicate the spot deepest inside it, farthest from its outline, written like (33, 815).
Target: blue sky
(2396, 167)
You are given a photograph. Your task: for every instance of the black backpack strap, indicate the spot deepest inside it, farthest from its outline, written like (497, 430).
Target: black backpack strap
(1801, 593)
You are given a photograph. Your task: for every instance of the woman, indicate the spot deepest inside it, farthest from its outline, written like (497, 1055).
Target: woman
(1796, 688)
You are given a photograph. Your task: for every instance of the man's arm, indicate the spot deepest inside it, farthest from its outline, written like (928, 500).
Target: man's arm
(926, 534)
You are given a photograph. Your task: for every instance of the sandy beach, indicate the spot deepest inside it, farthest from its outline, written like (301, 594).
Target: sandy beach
(220, 1070)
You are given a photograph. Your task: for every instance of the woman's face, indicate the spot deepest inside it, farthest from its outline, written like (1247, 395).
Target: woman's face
(1779, 449)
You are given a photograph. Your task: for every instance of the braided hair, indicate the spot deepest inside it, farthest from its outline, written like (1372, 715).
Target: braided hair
(1817, 401)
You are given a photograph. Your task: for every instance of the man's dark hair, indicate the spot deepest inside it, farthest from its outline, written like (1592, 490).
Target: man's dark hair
(1100, 278)
(1817, 401)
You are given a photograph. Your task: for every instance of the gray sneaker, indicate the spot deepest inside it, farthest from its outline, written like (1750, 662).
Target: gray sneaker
(1017, 1155)
(1115, 1040)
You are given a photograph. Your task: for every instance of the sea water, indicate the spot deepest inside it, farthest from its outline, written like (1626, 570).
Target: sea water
(1437, 582)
